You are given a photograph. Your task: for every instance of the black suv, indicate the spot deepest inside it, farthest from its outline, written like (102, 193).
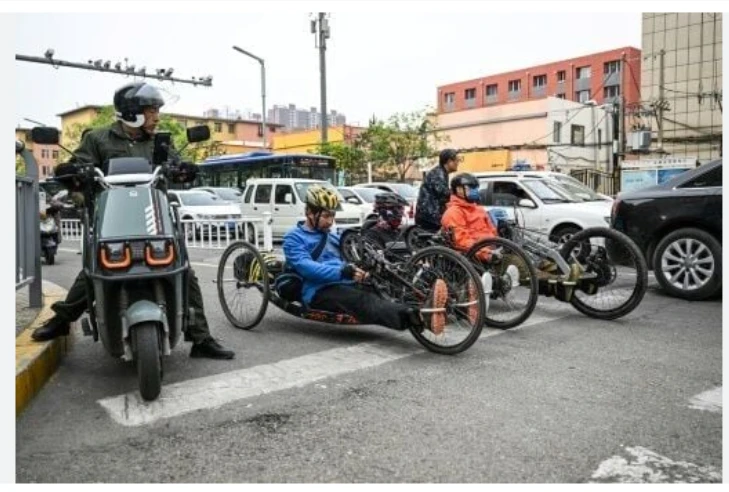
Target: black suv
(677, 225)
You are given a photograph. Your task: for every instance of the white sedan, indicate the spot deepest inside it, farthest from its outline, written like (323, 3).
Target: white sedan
(364, 198)
(543, 206)
(206, 211)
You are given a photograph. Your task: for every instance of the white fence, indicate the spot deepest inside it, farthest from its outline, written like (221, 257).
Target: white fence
(206, 234)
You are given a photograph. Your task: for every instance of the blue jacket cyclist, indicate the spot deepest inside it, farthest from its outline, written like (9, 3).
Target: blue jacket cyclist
(331, 284)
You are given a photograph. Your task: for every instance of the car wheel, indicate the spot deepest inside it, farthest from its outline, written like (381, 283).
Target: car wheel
(563, 234)
(687, 264)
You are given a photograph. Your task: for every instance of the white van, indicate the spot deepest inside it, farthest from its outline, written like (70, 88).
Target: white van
(284, 198)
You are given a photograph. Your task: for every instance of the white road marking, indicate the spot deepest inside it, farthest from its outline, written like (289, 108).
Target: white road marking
(214, 391)
(708, 400)
(534, 319)
(210, 265)
(646, 466)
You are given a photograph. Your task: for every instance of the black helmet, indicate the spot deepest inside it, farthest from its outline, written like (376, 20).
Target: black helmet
(447, 155)
(466, 179)
(389, 199)
(130, 101)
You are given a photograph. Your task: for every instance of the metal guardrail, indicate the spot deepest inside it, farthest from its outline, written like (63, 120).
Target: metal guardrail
(600, 181)
(206, 234)
(27, 231)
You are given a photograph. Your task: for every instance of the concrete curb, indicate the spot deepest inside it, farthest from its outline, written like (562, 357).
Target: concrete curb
(36, 362)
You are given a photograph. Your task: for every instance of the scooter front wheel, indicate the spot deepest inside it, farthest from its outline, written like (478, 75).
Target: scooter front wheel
(145, 341)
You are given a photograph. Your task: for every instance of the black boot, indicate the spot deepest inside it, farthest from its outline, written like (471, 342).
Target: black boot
(211, 349)
(54, 327)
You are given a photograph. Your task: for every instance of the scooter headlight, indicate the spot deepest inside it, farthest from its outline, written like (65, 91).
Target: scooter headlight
(115, 256)
(159, 253)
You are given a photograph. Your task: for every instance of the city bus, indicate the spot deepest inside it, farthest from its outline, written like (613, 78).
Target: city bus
(232, 171)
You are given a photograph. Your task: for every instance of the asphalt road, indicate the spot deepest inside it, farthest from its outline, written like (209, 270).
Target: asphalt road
(563, 399)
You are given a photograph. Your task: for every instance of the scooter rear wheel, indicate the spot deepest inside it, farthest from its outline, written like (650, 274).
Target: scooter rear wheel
(145, 341)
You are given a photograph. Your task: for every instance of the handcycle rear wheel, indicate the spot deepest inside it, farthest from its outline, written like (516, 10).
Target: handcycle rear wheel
(464, 308)
(615, 274)
(243, 285)
(514, 283)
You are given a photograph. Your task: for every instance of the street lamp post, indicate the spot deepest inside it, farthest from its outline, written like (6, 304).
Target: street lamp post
(263, 88)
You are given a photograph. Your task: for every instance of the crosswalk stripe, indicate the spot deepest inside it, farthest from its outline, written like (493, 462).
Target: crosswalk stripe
(708, 400)
(646, 466)
(214, 391)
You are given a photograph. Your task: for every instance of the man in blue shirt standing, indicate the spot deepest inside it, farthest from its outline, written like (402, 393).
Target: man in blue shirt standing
(332, 285)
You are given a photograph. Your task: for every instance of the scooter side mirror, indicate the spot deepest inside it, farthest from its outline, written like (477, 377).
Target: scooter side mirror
(45, 135)
(198, 133)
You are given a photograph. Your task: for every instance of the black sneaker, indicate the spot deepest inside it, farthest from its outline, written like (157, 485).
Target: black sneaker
(210, 349)
(54, 327)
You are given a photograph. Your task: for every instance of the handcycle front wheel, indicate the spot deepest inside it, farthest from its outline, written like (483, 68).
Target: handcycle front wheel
(243, 285)
(613, 272)
(463, 312)
(514, 286)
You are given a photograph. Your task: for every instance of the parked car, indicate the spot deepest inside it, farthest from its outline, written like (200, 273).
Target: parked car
(284, 198)
(408, 192)
(364, 198)
(229, 195)
(205, 208)
(542, 205)
(677, 225)
(571, 184)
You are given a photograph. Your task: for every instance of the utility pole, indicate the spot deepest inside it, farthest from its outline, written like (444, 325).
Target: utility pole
(320, 27)
(661, 54)
(621, 125)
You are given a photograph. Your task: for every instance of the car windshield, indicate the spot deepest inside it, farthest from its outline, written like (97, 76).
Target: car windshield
(405, 190)
(200, 199)
(229, 194)
(549, 192)
(368, 194)
(578, 189)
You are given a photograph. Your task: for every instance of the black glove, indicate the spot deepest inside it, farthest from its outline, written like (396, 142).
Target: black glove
(186, 172)
(348, 271)
(67, 169)
(69, 175)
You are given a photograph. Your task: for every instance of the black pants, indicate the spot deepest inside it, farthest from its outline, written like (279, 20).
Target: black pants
(75, 304)
(363, 304)
(427, 225)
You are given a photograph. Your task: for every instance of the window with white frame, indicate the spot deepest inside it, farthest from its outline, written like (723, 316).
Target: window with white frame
(584, 72)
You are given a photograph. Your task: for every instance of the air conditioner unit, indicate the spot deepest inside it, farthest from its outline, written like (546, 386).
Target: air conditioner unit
(640, 140)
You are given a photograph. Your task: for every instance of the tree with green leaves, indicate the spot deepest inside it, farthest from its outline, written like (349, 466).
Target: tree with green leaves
(350, 159)
(396, 146)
